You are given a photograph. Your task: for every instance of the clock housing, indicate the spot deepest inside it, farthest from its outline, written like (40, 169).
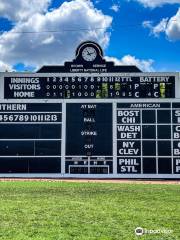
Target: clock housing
(89, 54)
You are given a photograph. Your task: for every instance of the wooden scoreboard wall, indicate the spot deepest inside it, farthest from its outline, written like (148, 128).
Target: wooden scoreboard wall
(106, 123)
(88, 136)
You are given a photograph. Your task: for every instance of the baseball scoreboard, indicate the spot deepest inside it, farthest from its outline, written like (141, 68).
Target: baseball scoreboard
(90, 118)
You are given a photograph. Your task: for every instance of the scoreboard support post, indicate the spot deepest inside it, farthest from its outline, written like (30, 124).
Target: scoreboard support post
(63, 139)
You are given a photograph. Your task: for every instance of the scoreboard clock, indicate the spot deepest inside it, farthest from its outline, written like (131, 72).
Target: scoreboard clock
(89, 54)
(90, 118)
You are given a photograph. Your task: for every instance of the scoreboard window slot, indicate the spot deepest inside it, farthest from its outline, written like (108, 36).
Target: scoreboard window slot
(78, 170)
(16, 148)
(27, 131)
(13, 165)
(88, 127)
(67, 94)
(148, 116)
(49, 131)
(99, 170)
(164, 132)
(164, 148)
(124, 90)
(88, 153)
(73, 87)
(89, 113)
(105, 92)
(41, 107)
(99, 86)
(79, 87)
(44, 165)
(18, 131)
(98, 94)
(149, 148)
(164, 116)
(115, 86)
(162, 89)
(112, 89)
(149, 132)
(146, 90)
(166, 90)
(170, 90)
(129, 89)
(164, 165)
(88, 140)
(60, 87)
(149, 165)
(47, 148)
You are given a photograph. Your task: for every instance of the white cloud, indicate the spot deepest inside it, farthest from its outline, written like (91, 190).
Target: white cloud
(156, 30)
(144, 65)
(147, 24)
(115, 7)
(54, 48)
(18, 10)
(5, 67)
(171, 27)
(48, 40)
(156, 3)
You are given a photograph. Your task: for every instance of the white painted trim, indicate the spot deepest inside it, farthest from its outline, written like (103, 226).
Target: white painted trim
(114, 140)
(63, 142)
(92, 176)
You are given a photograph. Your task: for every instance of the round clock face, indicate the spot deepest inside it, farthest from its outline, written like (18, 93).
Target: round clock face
(89, 54)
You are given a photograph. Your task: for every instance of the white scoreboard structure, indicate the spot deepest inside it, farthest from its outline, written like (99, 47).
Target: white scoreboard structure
(90, 119)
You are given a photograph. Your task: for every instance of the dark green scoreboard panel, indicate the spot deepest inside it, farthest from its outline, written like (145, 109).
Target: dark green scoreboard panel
(148, 138)
(90, 125)
(30, 138)
(89, 87)
(89, 138)
(108, 138)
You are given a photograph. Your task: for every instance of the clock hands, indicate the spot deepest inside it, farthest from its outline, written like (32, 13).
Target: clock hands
(90, 53)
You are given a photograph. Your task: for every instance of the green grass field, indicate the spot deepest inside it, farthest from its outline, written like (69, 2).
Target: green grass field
(87, 211)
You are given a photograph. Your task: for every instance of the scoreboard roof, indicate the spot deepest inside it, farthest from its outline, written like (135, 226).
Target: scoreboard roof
(89, 59)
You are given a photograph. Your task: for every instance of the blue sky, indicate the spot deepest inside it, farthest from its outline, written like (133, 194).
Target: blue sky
(141, 32)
